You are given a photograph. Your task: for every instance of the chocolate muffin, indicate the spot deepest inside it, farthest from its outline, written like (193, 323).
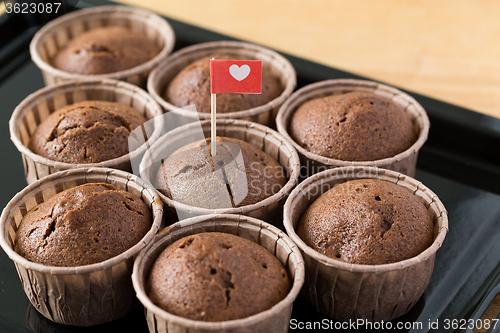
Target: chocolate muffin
(105, 50)
(216, 277)
(367, 221)
(86, 132)
(238, 175)
(192, 86)
(355, 126)
(83, 225)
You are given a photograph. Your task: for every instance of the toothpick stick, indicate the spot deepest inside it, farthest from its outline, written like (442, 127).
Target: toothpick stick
(213, 124)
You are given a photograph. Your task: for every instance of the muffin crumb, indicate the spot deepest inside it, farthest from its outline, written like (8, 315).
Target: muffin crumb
(216, 277)
(355, 126)
(239, 175)
(86, 132)
(83, 225)
(105, 50)
(192, 86)
(367, 221)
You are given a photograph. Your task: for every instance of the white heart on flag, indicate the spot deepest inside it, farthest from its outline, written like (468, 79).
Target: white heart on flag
(239, 73)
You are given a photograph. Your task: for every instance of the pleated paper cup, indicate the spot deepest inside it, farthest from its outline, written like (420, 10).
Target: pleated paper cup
(345, 291)
(260, 136)
(276, 63)
(404, 162)
(35, 108)
(274, 320)
(83, 295)
(56, 34)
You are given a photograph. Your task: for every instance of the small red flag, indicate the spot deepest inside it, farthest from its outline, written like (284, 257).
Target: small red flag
(236, 76)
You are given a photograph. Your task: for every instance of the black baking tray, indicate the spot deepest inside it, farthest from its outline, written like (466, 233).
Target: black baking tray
(460, 162)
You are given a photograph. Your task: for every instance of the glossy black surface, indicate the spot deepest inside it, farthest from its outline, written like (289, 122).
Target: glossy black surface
(460, 163)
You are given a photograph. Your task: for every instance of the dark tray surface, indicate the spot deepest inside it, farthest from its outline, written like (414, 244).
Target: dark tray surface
(462, 175)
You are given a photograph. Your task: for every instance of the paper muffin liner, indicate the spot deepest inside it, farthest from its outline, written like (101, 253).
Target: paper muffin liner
(56, 34)
(275, 319)
(404, 162)
(35, 108)
(276, 63)
(83, 295)
(345, 291)
(260, 136)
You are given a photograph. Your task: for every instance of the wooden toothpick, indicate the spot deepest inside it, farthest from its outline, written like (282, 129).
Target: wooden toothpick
(213, 125)
(213, 107)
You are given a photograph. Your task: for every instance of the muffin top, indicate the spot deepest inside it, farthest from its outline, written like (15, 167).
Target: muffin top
(367, 221)
(105, 50)
(83, 225)
(192, 86)
(238, 175)
(86, 132)
(216, 277)
(355, 126)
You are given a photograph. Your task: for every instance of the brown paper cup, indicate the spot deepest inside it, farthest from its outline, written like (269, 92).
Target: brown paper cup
(35, 108)
(55, 35)
(84, 295)
(275, 319)
(346, 291)
(262, 137)
(264, 114)
(404, 162)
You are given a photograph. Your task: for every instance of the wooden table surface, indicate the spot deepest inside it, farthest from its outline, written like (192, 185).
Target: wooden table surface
(446, 49)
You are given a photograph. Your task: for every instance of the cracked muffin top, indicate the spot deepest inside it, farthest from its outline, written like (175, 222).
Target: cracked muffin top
(192, 86)
(83, 225)
(216, 277)
(86, 132)
(356, 126)
(238, 175)
(368, 222)
(105, 50)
